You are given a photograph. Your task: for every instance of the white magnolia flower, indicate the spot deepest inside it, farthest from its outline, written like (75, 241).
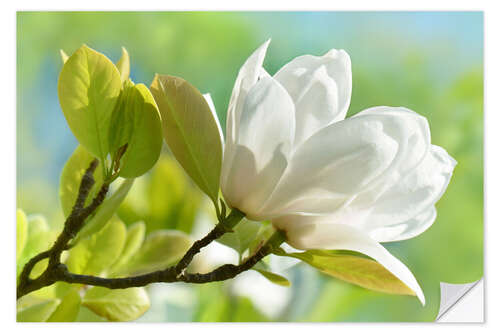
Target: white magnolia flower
(329, 182)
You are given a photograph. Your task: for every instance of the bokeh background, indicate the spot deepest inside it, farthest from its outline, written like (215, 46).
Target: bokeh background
(431, 62)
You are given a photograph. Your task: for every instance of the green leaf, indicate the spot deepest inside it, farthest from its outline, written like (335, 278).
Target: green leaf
(174, 200)
(39, 312)
(161, 249)
(64, 56)
(87, 316)
(123, 65)
(105, 211)
(191, 130)
(21, 232)
(71, 177)
(123, 114)
(274, 278)
(39, 268)
(242, 236)
(94, 255)
(135, 237)
(360, 271)
(136, 122)
(68, 310)
(117, 304)
(40, 238)
(88, 88)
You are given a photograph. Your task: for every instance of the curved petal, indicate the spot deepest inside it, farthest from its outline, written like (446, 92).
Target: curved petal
(264, 141)
(348, 158)
(247, 76)
(408, 229)
(407, 205)
(211, 104)
(320, 88)
(343, 237)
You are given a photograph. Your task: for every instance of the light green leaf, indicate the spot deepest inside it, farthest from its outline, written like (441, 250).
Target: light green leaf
(136, 122)
(360, 271)
(174, 200)
(242, 236)
(21, 232)
(87, 316)
(105, 211)
(274, 278)
(38, 312)
(265, 232)
(123, 114)
(123, 65)
(71, 177)
(117, 304)
(40, 238)
(94, 255)
(68, 310)
(88, 88)
(39, 268)
(135, 237)
(191, 130)
(161, 249)
(64, 56)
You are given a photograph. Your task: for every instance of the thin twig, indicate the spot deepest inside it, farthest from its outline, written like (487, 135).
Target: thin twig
(57, 271)
(170, 274)
(72, 225)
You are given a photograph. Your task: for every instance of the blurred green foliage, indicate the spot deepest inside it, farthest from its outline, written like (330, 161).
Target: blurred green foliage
(429, 62)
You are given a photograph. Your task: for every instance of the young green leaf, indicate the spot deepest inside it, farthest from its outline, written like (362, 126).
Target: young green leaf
(274, 278)
(191, 130)
(135, 237)
(136, 123)
(117, 304)
(40, 237)
(21, 232)
(243, 235)
(174, 200)
(95, 255)
(88, 88)
(39, 312)
(161, 249)
(71, 177)
(105, 211)
(123, 65)
(360, 271)
(68, 309)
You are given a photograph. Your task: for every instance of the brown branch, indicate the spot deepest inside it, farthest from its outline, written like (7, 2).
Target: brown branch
(57, 271)
(225, 225)
(170, 274)
(72, 225)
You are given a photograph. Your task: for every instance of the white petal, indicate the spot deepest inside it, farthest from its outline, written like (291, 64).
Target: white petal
(320, 88)
(406, 230)
(343, 237)
(347, 158)
(247, 76)
(407, 205)
(210, 103)
(261, 148)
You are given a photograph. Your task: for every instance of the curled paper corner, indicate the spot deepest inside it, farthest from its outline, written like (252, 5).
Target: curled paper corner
(461, 302)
